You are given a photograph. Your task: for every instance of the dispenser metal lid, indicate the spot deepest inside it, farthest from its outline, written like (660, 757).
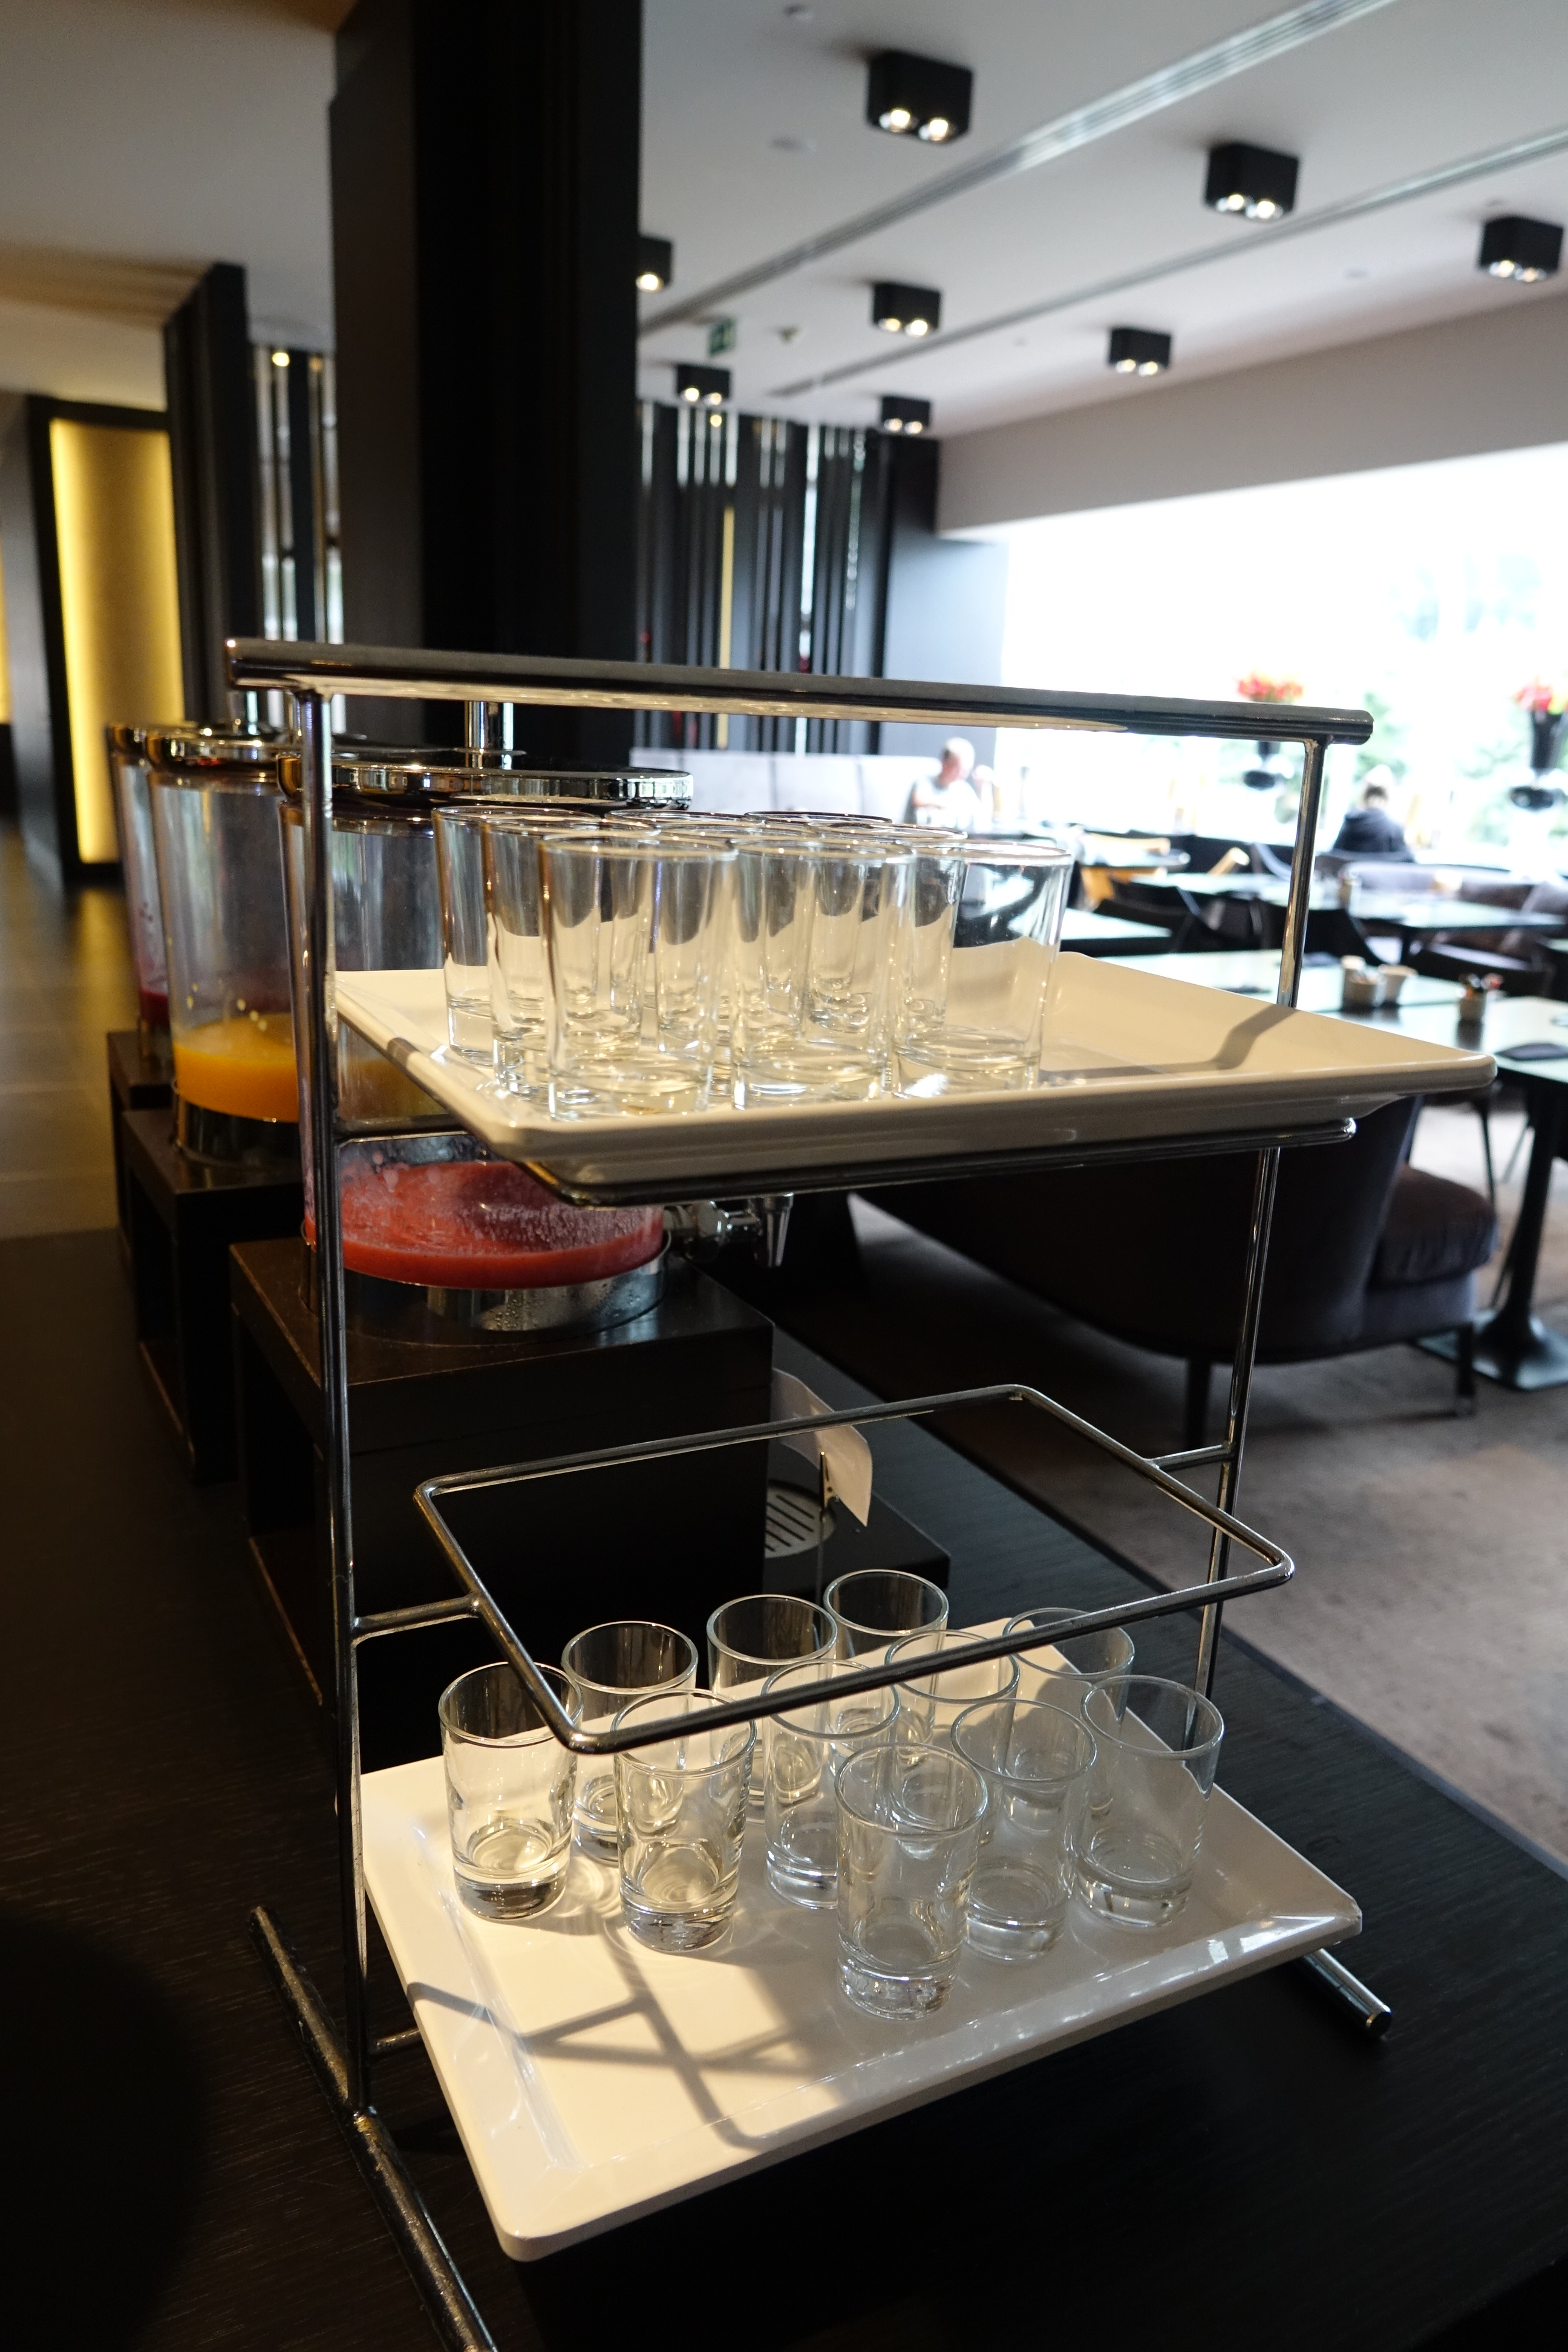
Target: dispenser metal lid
(398, 772)
(205, 755)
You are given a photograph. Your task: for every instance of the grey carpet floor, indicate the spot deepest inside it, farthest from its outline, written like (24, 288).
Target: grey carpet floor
(1432, 1595)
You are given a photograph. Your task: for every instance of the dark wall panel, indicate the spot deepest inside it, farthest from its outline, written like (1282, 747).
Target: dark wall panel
(212, 434)
(944, 602)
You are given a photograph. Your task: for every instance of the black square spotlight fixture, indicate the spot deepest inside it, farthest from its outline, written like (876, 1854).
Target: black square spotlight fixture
(1138, 351)
(903, 415)
(656, 264)
(917, 98)
(1252, 181)
(906, 309)
(1525, 250)
(703, 387)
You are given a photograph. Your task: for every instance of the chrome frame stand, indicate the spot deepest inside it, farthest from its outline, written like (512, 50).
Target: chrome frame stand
(312, 675)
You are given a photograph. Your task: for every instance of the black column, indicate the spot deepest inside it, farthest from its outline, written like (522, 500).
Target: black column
(211, 436)
(485, 183)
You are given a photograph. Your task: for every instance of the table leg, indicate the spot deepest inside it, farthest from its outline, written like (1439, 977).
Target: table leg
(1513, 1345)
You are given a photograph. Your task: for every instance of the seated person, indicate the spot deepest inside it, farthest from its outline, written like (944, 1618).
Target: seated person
(948, 798)
(1369, 830)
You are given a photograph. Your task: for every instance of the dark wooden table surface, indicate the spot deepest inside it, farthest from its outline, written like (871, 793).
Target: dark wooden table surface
(1241, 2169)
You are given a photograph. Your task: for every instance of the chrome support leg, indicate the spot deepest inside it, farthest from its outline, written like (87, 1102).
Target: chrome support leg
(445, 2298)
(1292, 948)
(1355, 2001)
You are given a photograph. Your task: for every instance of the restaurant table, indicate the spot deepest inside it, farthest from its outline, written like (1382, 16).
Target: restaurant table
(1512, 1345)
(1425, 915)
(1104, 935)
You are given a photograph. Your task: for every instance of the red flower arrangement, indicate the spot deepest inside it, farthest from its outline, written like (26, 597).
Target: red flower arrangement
(1255, 687)
(1542, 700)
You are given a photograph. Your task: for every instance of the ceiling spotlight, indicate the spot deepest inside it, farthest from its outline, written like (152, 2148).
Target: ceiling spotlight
(1138, 351)
(1524, 251)
(279, 359)
(905, 93)
(1255, 182)
(656, 264)
(902, 416)
(906, 309)
(703, 387)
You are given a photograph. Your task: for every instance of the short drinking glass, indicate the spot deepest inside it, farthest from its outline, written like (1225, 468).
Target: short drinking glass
(872, 1606)
(1157, 1744)
(806, 1749)
(1057, 1672)
(610, 1665)
(909, 1822)
(682, 1815)
(1035, 1760)
(509, 1791)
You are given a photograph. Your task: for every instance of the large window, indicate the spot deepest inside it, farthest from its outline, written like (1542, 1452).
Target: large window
(1430, 593)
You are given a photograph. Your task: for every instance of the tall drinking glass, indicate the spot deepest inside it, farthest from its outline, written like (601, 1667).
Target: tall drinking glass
(909, 1821)
(815, 939)
(979, 942)
(509, 1791)
(806, 1749)
(930, 1703)
(1156, 1748)
(612, 1664)
(636, 945)
(1036, 1762)
(519, 958)
(681, 1810)
(464, 932)
(872, 1606)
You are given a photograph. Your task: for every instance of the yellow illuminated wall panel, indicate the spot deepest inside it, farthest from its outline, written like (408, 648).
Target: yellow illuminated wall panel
(114, 519)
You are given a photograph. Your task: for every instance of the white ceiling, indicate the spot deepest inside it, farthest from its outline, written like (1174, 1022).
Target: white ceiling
(141, 138)
(1414, 86)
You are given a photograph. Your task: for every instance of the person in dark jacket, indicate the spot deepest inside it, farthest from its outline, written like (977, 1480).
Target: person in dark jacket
(1371, 831)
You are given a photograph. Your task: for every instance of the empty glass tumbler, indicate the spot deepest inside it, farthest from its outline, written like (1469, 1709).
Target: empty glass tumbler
(612, 1664)
(636, 945)
(806, 1749)
(509, 1791)
(1156, 1748)
(1035, 1760)
(1057, 1672)
(979, 942)
(681, 1808)
(752, 1637)
(519, 957)
(930, 1703)
(872, 1606)
(909, 1822)
(464, 933)
(815, 939)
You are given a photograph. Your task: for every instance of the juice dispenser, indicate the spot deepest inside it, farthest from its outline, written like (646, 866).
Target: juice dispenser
(127, 748)
(441, 1239)
(214, 798)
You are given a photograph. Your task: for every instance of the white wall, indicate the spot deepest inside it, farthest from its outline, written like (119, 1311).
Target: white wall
(1497, 381)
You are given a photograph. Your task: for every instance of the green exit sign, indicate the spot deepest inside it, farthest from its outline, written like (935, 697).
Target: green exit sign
(720, 337)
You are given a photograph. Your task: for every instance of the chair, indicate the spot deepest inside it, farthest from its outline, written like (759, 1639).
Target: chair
(1365, 1250)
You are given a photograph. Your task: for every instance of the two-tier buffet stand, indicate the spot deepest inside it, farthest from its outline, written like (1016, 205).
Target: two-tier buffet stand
(1305, 1096)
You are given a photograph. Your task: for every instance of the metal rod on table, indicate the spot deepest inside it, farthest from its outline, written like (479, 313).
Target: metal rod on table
(1292, 949)
(316, 808)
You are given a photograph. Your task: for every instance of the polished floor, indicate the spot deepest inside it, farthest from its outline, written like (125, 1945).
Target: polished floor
(65, 980)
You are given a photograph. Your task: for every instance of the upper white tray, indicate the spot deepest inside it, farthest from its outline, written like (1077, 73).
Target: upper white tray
(592, 2080)
(1128, 1057)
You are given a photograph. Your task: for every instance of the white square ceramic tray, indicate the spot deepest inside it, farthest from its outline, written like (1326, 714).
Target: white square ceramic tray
(1127, 1057)
(593, 2080)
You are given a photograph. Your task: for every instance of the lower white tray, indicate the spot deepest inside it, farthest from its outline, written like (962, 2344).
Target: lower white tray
(1128, 1057)
(592, 2080)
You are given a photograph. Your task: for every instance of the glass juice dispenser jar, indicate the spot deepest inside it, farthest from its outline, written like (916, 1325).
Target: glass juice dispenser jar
(127, 748)
(215, 799)
(441, 1239)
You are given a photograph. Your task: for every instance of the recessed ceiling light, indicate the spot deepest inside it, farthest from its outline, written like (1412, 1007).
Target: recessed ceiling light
(1257, 183)
(1524, 251)
(905, 94)
(279, 359)
(1138, 351)
(702, 387)
(901, 414)
(906, 309)
(656, 264)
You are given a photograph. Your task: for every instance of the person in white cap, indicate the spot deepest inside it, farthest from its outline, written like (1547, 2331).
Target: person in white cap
(948, 798)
